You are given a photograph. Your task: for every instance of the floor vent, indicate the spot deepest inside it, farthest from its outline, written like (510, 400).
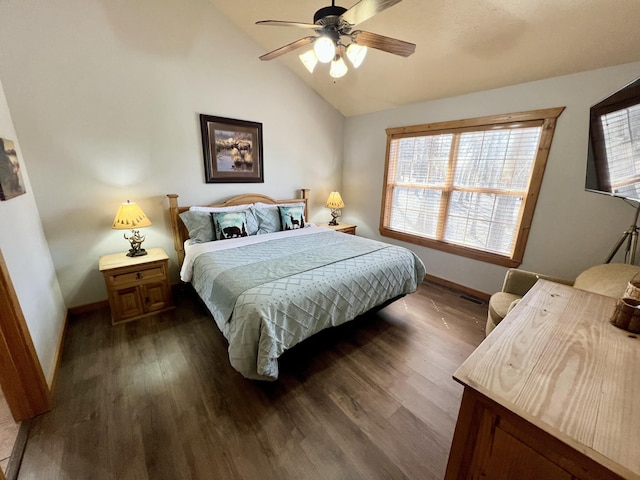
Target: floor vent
(472, 299)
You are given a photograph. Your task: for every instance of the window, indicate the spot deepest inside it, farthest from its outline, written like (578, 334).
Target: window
(468, 187)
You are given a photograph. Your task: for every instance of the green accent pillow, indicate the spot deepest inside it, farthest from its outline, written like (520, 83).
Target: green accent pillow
(268, 220)
(229, 225)
(268, 216)
(291, 218)
(252, 221)
(199, 225)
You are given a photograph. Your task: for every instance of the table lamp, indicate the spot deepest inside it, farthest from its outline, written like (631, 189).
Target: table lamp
(335, 203)
(131, 216)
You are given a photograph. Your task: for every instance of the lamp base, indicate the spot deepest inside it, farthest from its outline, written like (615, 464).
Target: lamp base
(335, 214)
(137, 253)
(135, 240)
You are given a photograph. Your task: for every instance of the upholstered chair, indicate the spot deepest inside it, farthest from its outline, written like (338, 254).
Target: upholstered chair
(609, 279)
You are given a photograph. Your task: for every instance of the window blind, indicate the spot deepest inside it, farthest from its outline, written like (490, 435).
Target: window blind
(464, 188)
(467, 184)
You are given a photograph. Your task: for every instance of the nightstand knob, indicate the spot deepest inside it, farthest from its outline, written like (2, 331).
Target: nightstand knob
(138, 276)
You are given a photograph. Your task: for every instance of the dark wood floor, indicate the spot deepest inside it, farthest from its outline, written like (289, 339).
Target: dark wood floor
(156, 399)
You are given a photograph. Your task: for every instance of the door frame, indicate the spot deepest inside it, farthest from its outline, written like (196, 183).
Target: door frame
(21, 377)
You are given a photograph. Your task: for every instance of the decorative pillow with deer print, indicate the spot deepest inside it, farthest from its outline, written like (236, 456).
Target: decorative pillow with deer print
(291, 218)
(229, 224)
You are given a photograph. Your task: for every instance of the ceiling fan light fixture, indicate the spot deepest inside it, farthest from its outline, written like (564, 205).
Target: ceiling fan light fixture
(332, 25)
(356, 54)
(338, 67)
(324, 49)
(309, 60)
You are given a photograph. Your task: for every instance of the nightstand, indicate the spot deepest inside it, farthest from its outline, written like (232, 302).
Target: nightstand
(341, 227)
(137, 286)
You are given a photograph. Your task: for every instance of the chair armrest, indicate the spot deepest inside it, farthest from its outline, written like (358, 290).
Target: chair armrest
(519, 282)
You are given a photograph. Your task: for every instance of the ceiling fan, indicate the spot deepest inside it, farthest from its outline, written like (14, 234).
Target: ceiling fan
(336, 38)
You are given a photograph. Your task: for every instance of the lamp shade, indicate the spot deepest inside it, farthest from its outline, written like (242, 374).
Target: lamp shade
(356, 54)
(130, 216)
(309, 60)
(338, 68)
(334, 200)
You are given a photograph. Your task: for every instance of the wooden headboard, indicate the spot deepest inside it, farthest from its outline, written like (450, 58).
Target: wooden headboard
(180, 233)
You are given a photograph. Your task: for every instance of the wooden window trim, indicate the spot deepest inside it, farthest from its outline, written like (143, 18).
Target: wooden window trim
(547, 118)
(23, 382)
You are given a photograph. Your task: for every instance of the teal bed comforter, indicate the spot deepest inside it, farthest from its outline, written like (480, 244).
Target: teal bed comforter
(271, 294)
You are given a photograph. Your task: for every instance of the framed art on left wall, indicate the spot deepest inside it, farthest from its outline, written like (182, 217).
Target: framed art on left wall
(232, 150)
(11, 182)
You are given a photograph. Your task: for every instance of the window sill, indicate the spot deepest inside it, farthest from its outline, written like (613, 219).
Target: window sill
(453, 249)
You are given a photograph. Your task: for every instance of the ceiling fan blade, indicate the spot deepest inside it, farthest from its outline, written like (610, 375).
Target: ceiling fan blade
(281, 23)
(365, 9)
(287, 48)
(386, 44)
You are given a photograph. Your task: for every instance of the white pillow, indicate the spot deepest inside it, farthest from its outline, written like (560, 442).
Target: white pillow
(232, 208)
(276, 205)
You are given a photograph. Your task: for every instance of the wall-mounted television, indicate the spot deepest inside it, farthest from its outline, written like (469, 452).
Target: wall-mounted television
(613, 164)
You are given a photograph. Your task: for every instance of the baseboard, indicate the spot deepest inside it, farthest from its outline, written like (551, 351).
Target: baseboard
(58, 354)
(469, 291)
(88, 308)
(13, 468)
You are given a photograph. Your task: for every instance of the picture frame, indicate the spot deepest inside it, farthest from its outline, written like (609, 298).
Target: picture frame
(232, 150)
(11, 181)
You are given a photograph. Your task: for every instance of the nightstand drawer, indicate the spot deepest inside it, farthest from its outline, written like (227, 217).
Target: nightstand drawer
(348, 230)
(342, 227)
(138, 276)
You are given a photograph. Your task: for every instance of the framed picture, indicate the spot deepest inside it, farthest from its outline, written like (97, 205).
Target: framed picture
(11, 183)
(232, 150)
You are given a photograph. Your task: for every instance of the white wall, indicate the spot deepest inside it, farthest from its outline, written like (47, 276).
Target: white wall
(24, 248)
(105, 97)
(572, 229)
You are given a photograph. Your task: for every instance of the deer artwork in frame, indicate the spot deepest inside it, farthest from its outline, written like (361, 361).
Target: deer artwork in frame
(232, 150)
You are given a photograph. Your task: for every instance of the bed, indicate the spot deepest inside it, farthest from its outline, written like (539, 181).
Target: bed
(272, 279)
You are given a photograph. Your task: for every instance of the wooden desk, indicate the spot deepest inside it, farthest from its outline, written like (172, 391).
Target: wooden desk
(552, 393)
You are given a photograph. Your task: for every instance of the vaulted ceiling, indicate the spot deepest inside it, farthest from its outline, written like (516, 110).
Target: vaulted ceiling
(462, 45)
